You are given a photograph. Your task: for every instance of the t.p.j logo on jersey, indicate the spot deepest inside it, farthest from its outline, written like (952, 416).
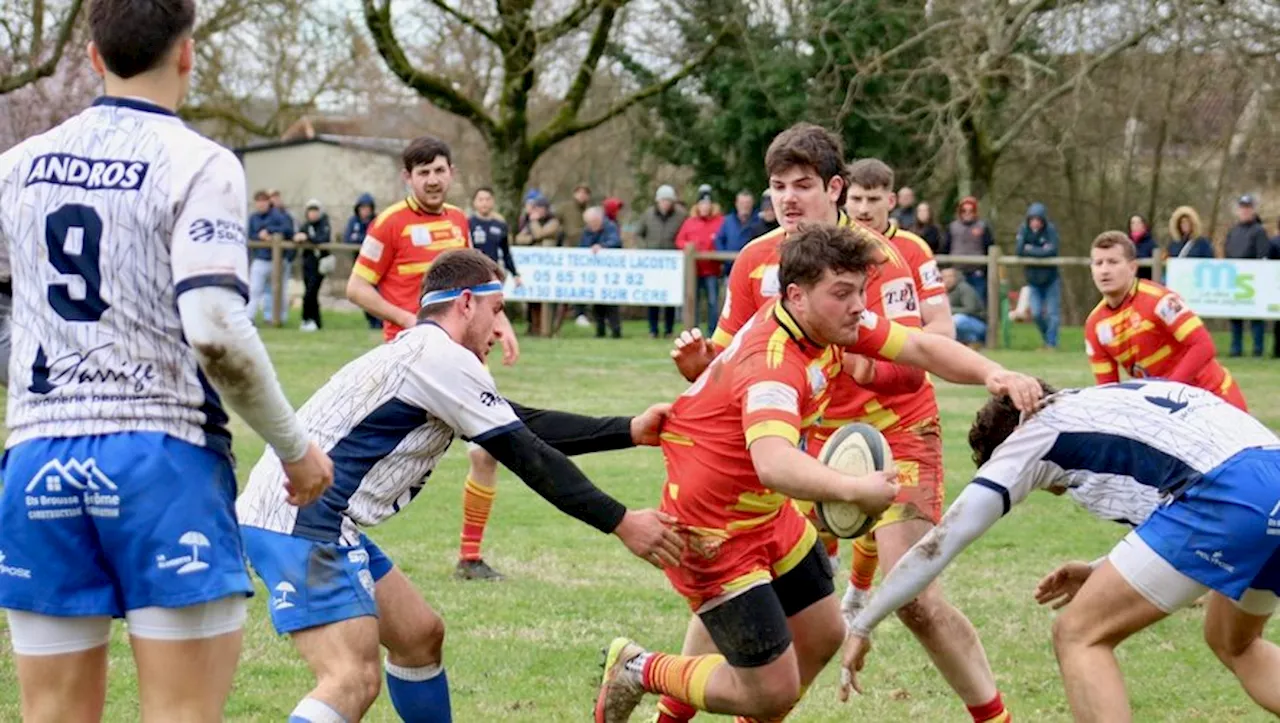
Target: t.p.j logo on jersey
(94, 174)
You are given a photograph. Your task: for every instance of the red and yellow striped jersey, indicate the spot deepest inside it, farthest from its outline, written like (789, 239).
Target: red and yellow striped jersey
(772, 380)
(399, 248)
(1150, 334)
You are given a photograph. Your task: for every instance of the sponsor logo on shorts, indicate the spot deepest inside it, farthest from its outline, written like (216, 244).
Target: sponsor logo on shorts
(366, 581)
(71, 488)
(282, 601)
(1216, 560)
(11, 571)
(1273, 522)
(188, 563)
(358, 557)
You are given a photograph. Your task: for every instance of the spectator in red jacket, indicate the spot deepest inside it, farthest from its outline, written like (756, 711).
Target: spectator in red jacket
(699, 230)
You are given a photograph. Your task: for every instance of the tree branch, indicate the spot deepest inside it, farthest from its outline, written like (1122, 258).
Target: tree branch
(466, 20)
(576, 17)
(1045, 100)
(554, 133)
(577, 94)
(226, 114)
(10, 83)
(433, 88)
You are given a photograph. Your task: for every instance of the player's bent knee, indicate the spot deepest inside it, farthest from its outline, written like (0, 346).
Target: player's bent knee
(482, 461)
(777, 695)
(921, 616)
(358, 681)
(424, 645)
(1073, 630)
(194, 622)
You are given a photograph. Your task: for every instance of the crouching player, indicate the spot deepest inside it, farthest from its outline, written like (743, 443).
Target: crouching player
(754, 572)
(386, 419)
(1218, 470)
(1147, 329)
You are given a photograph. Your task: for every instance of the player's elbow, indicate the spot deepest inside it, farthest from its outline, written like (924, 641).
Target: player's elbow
(355, 285)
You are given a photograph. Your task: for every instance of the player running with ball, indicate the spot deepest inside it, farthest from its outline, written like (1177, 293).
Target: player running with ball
(753, 571)
(808, 183)
(386, 419)
(1218, 471)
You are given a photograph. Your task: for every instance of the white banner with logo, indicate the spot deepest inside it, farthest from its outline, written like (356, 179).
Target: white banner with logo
(609, 276)
(1228, 288)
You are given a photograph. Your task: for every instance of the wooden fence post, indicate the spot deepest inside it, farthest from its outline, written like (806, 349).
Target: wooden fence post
(993, 296)
(277, 277)
(690, 286)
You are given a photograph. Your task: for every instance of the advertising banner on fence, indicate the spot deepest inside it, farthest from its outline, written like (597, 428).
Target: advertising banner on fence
(1228, 288)
(610, 276)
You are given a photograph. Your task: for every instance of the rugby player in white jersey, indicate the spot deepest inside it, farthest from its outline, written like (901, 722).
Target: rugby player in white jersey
(1216, 471)
(122, 233)
(386, 419)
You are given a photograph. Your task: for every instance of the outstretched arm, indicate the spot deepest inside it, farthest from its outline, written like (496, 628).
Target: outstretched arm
(574, 434)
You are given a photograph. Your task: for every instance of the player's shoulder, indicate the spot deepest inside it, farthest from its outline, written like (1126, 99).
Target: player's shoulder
(390, 213)
(911, 244)
(763, 244)
(455, 212)
(1151, 290)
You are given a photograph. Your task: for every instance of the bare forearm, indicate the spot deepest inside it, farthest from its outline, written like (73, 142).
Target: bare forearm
(366, 296)
(795, 474)
(947, 358)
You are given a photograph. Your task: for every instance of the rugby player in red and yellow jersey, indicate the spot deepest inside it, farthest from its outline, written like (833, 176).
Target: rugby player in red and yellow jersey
(808, 184)
(386, 281)
(1146, 328)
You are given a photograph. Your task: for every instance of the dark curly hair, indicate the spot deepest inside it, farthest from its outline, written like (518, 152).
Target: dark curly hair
(994, 423)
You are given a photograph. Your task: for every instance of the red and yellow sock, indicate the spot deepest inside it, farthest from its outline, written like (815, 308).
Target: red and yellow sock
(681, 677)
(671, 710)
(992, 711)
(476, 503)
(866, 558)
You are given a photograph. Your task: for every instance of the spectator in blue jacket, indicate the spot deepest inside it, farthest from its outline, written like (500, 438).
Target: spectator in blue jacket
(732, 235)
(264, 223)
(1185, 239)
(599, 233)
(361, 216)
(1038, 239)
(1143, 242)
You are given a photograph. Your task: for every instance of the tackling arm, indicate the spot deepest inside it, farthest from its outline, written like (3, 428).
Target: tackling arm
(973, 513)
(216, 323)
(574, 434)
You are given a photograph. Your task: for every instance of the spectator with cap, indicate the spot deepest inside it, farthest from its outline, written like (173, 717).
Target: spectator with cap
(1247, 240)
(357, 226)
(613, 208)
(1185, 239)
(313, 231)
(658, 228)
(765, 222)
(701, 230)
(732, 235)
(969, 235)
(600, 233)
(540, 228)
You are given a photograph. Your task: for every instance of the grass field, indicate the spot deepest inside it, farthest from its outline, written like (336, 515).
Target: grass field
(527, 649)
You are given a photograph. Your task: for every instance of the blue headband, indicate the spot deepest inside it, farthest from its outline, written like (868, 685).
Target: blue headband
(435, 297)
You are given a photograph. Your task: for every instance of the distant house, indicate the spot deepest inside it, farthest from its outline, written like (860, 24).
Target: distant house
(333, 168)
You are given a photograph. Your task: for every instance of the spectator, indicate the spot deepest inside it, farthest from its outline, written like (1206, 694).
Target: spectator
(1143, 242)
(966, 308)
(701, 231)
(613, 208)
(286, 221)
(1274, 254)
(969, 235)
(765, 222)
(905, 213)
(658, 228)
(1185, 240)
(732, 235)
(926, 229)
(540, 228)
(361, 216)
(599, 233)
(313, 231)
(1038, 239)
(572, 211)
(264, 223)
(1247, 240)
(489, 230)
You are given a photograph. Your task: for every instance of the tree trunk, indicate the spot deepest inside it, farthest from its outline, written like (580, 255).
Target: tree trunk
(1162, 135)
(1225, 161)
(510, 176)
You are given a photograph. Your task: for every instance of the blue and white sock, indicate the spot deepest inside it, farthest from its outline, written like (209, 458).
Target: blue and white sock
(420, 695)
(310, 710)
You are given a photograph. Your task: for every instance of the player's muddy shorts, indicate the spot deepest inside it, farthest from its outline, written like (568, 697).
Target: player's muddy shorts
(745, 587)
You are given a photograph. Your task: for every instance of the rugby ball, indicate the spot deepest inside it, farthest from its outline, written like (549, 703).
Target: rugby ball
(856, 449)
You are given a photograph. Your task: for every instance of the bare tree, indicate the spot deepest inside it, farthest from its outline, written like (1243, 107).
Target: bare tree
(36, 36)
(519, 42)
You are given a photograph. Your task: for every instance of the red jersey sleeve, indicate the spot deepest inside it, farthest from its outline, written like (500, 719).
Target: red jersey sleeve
(924, 268)
(1104, 368)
(772, 392)
(378, 252)
(739, 301)
(1172, 312)
(879, 337)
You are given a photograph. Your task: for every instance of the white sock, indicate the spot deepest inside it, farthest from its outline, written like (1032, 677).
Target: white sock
(316, 711)
(413, 675)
